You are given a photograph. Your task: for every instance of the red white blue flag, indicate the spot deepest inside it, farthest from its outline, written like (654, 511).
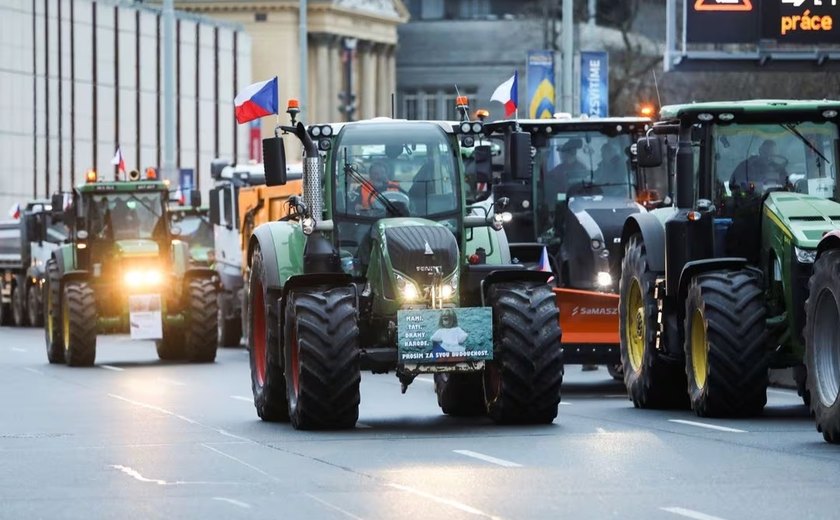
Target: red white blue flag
(256, 101)
(544, 265)
(508, 94)
(14, 211)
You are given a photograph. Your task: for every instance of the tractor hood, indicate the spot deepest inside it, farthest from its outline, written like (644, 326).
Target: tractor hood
(418, 248)
(135, 248)
(805, 218)
(200, 255)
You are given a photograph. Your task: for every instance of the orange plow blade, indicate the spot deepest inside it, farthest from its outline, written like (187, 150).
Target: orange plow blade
(588, 317)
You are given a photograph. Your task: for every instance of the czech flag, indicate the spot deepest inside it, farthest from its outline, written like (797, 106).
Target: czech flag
(256, 101)
(14, 211)
(118, 160)
(544, 265)
(507, 94)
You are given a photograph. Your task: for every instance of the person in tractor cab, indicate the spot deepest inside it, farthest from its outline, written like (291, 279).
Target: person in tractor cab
(757, 171)
(611, 173)
(380, 177)
(569, 171)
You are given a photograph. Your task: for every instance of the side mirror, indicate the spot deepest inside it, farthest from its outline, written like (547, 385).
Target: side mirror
(215, 207)
(649, 152)
(195, 198)
(483, 157)
(519, 155)
(274, 161)
(31, 228)
(57, 202)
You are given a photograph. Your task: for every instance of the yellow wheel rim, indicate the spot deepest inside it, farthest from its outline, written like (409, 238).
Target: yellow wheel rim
(635, 329)
(699, 348)
(65, 321)
(49, 318)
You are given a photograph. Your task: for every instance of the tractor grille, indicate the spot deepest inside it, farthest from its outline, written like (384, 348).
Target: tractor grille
(407, 249)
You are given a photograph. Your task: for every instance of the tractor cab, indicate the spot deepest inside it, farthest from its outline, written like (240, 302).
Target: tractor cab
(192, 226)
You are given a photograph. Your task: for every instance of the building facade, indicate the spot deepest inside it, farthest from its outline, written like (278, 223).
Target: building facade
(80, 77)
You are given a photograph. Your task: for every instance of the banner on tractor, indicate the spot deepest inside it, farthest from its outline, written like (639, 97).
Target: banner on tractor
(430, 336)
(540, 84)
(594, 84)
(144, 315)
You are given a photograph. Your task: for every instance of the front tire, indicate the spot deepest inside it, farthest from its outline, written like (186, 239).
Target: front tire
(78, 310)
(822, 345)
(321, 348)
(200, 340)
(725, 345)
(230, 331)
(460, 395)
(34, 308)
(19, 302)
(522, 383)
(53, 333)
(651, 381)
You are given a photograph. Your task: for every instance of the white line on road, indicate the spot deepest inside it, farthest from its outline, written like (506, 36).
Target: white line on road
(34, 371)
(333, 507)
(18, 349)
(133, 473)
(243, 505)
(152, 407)
(243, 398)
(709, 426)
(110, 367)
(688, 513)
(488, 458)
(251, 466)
(440, 500)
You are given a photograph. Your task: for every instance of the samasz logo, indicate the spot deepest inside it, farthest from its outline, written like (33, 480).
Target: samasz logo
(594, 311)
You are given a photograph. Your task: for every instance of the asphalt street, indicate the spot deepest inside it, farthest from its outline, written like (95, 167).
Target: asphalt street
(134, 437)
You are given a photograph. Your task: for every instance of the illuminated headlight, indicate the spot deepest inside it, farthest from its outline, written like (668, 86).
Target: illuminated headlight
(315, 131)
(506, 217)
(603, 279)
(407, 289)
(141, 278)
(705, 117)
(805, 256)
(446, 291)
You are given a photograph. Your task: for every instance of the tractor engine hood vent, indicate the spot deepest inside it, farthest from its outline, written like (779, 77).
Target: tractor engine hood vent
(418, 251)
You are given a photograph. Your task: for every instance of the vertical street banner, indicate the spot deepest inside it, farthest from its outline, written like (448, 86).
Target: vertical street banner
(186, 178)
(594, 83)
(255, 141)
(540, 77)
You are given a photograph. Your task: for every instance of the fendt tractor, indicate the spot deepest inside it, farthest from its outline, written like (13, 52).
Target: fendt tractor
(381, 266)
(125, 269)
(25, 247)
(583, 186)
(238, 202)
(713, 291)
(196, 230)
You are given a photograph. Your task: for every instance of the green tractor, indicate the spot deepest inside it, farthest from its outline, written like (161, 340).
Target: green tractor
(713, 291)
(196, 230)
(390, 271)
(124, 269)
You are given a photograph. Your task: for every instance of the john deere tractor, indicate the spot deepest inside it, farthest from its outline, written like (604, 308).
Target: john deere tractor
(713, 291)
(124, 269)
(383, 267)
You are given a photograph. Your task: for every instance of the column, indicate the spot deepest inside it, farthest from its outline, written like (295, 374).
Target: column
(334, 79)
(320, 103)
(383, 91)
(367, 81)
(391, 68)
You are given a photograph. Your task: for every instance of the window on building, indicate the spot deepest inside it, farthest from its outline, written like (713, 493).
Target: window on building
(434, 103)
(409, 107)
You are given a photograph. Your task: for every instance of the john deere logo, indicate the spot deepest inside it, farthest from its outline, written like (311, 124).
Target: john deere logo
(429, 249)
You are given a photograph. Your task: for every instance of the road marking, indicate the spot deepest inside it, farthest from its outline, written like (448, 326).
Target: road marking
(333, 507)
(488, 458)
(440, 500)
(110, 367)
(18, 349)
(688, 513)
(172, 382)
(34, 371)
(251, 466)
(243, 505)
(565, 403)
(709, 426)
(600, 430)
(155, 408)
(242, 398)
(133, 473)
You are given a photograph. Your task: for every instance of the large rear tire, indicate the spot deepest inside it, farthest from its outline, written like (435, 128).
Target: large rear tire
(78, 310)
(522, 382)
(171, 346)
(34, 307)
(321, 348)
(725, 344)
(460, 395)
(651, 381)
(267, 380)
(200, 339)
(822, 345)
(53, 333)
(19, 316)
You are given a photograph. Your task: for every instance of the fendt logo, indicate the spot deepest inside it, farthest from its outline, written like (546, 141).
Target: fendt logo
(723, 5)
(594, 311)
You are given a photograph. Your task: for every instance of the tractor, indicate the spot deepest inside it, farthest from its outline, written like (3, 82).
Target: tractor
(713, 291)
(584, 185)
(124, 269)
(381, 266)
(196, 229)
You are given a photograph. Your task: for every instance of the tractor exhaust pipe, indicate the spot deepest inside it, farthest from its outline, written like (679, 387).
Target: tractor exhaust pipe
(312, 194)
(685, 169)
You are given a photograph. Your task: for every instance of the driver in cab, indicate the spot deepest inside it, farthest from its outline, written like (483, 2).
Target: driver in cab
(380, 178)
(757, 171)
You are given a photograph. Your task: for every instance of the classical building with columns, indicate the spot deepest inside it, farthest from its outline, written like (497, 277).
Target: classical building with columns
(365, 31)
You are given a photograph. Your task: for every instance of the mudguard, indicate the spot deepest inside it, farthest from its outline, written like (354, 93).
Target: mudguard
(65, 258)
(653, 235)
(512, 273)
(281, 244)
(692, 269)
(830, 241)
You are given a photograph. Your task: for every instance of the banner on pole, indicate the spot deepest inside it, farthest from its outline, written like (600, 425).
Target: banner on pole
(540, 77)
(594, 84)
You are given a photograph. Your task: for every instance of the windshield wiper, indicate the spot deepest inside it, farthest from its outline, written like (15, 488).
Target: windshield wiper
(350, 170)
(141, 201)
(790, 127)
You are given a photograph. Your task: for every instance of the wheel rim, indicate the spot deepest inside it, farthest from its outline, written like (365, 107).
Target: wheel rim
(295, 360)
(258, 333)
(49, 316)
(635, 330)
(826, 348)
(65, 321)
(699, 348)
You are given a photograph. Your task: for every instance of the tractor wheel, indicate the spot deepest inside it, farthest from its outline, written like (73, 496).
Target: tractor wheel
(725, 345)
(53, 331)
(616, 371)
(78, 316)
(321, 348)
(822, 345)
(34, 308)
(200, 340)
(522, 382)
(651, 381)
(267, 381)
(230, 331)
(19, 302)
(5, 309)
(171, 346)
(460, 395)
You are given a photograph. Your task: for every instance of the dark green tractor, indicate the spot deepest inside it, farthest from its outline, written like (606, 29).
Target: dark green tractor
(382, 267)
(124, 269)
(196, 231)
(713, 291)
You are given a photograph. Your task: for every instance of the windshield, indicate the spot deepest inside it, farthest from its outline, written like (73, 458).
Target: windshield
(412, 166)
(125, 216)
(753, 159)
(195, 229)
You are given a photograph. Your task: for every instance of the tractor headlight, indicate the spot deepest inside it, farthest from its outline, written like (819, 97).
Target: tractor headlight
(407, 289)
(805, 256)
(603, 279)
(142, 278)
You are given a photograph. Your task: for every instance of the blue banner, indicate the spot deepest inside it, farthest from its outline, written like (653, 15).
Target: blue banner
(540, 84)
(594, 84)
(186, 182)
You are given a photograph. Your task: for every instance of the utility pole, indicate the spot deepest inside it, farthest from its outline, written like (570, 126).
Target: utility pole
(168, 165)
(304, 60)
(568, 55)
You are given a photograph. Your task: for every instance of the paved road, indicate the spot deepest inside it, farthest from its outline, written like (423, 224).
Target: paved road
(137, 438)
